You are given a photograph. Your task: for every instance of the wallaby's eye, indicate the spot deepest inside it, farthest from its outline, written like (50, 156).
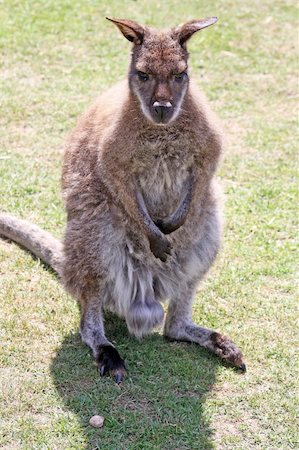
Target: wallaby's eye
(142, 76)
(179, 76)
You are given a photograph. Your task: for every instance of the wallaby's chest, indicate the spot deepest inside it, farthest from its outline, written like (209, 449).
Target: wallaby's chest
(165, 168)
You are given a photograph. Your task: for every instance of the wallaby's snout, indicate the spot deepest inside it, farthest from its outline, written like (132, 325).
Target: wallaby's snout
(158, 75)
(163, 111)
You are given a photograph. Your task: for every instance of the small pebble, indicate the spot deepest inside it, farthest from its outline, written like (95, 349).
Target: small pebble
(96, 421)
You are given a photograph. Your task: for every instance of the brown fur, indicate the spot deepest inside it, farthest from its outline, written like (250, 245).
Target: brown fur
(142, 207)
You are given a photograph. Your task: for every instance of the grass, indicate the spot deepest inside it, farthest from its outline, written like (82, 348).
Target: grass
(55, 57)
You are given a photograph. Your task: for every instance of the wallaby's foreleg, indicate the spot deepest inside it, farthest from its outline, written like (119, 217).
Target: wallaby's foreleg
(128, 196)
(178, 218)
(179, 326)
(92, 332)
(159, 245)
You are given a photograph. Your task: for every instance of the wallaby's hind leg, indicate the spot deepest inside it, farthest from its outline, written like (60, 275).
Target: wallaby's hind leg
(92, 332)
(179, 326)
(178, 323)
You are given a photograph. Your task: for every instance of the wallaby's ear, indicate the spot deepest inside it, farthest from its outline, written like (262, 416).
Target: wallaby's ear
(130, 29)
(185, 31)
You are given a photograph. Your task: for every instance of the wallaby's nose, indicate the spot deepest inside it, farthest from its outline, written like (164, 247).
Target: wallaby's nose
(161, 110)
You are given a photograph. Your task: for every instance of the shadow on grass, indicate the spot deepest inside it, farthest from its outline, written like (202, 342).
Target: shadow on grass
(159, 405)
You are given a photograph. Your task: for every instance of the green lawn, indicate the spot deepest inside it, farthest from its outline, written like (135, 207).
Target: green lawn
(54, 58)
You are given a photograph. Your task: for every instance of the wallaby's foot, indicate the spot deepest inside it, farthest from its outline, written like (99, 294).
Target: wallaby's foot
(110, 363)
(143, 316)
(221, 345)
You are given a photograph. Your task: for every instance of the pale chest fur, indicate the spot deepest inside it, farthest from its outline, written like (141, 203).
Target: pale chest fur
(162, 169)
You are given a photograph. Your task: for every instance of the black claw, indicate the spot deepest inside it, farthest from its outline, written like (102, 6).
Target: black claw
(118, 378)
(102, 370)
(242, 368)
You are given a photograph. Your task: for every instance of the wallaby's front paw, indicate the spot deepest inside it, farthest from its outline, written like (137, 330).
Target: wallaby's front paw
(165, 227)
(110, 363)
(160, 247)
(227, 350)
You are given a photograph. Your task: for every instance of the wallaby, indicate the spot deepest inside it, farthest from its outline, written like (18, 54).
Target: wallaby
(143, 215)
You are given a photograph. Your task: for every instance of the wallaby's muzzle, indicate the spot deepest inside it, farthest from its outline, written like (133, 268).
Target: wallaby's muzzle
(162, 112)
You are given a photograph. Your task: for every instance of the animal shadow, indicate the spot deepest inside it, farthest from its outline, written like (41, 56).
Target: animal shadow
(158, 406)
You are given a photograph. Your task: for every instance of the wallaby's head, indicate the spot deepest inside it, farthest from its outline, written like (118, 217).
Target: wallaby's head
(158, 74)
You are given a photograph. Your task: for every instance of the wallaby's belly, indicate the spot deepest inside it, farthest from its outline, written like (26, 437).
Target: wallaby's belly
(162, 186)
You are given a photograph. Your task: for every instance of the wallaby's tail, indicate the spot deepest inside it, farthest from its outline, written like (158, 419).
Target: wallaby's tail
(41, 243)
